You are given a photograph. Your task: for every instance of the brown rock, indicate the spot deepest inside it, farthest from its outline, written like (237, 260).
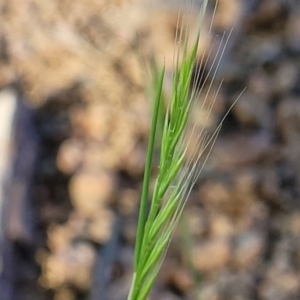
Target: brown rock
(255, 217)
(248, 250)
(65, 294)
(294, 224)
(209, 291)
(174, 274)
(252, 111)
(259, 84)
(69, 156)
(69, 266)
(196, 221)
(182, 279)
(212, 255)
(215, 195)
(128, 201)
(59, 237)
(227, 9)
(240, 149)
(221, 226)
(288, 118)
(90, 191)
(228, 285)
(281, 286)
(269, 185)
(98, 118)
(293, 30)
(100, 229)
(234, 198)
(286, 77)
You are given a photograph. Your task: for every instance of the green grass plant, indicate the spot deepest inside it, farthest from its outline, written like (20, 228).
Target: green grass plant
(177, 172)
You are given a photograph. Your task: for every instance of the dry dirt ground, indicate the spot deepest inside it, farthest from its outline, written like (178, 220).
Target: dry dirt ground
(81, 67)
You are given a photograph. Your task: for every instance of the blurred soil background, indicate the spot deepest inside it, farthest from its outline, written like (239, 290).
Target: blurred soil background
(75, 77)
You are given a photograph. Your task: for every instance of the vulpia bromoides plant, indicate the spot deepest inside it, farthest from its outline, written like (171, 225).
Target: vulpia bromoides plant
(177, 171)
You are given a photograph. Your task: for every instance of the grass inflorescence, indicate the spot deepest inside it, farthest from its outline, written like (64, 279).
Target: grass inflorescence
(177, 171)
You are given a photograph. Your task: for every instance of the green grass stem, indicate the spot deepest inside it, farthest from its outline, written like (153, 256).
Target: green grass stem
(177, 173)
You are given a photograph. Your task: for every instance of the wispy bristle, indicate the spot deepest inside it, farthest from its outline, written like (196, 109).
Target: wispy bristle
(180, 164)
